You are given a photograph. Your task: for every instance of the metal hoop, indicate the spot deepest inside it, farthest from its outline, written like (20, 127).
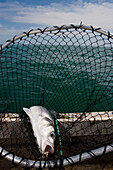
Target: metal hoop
(53, 29)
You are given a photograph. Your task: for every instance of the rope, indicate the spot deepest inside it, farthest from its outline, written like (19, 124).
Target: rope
(60, 142)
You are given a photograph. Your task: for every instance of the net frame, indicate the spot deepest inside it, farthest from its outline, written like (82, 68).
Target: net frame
(66, 162)
(77, 158)
(56, 28)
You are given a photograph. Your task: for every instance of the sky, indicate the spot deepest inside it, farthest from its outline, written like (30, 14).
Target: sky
(17, 16)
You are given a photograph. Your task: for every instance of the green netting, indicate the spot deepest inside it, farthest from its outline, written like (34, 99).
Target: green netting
(64, 70)
(67, 69)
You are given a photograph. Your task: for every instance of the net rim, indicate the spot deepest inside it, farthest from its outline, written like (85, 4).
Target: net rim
(55, 28)
(67, 161)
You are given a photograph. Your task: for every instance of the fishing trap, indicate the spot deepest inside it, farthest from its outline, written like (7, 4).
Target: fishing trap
(69, 70)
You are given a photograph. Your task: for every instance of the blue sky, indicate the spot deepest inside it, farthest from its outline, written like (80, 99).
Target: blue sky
(22, 15)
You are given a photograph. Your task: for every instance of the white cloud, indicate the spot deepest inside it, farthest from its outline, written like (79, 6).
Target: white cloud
(99, 15)
(96, 14)
(8, 33)
(0, 25)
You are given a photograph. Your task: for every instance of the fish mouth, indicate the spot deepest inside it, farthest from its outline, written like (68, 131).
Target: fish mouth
(49, 149)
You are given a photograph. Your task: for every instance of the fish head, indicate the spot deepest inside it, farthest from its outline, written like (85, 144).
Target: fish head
(43, 128)
(48, 140)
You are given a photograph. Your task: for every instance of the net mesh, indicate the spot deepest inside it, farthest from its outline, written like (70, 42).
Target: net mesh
(68, 70)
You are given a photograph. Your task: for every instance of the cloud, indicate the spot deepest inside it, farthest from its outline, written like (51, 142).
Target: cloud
(0, 25)
(96, 14)
(8, 33)
(57, 14)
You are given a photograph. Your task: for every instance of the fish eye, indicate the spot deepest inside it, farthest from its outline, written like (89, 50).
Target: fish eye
(52, 135)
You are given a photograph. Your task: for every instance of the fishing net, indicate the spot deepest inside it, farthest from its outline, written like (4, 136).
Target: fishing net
(68, 69)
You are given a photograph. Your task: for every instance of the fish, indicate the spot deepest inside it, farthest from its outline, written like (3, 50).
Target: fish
(43, 128)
